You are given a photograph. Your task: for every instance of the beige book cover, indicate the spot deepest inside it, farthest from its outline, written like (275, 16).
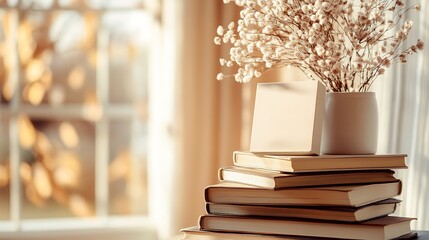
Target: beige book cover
(291, 163)
(195, 233)
(277, 180)
(381, 228)
(288, 118)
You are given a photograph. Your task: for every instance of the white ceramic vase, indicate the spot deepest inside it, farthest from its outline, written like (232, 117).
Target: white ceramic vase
(350, 124)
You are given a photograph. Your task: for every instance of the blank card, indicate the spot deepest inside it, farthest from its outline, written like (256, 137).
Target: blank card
(288, 118)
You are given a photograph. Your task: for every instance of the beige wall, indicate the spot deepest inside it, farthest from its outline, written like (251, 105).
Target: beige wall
(214, 117)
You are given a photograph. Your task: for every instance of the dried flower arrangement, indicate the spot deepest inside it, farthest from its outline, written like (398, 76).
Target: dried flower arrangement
(345, 44)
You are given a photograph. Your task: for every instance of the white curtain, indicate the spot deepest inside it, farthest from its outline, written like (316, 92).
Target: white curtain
(403, 97)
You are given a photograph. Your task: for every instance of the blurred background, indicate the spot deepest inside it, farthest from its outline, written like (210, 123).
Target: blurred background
(112, 122)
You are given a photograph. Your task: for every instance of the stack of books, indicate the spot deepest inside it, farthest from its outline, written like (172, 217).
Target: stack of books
(304, 197)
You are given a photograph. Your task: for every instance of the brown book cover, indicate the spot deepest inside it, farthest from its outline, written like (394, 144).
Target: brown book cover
(276, 180)
(320, 163)
(195, 233)
(380, 228)
(346, 195)
(345, 214)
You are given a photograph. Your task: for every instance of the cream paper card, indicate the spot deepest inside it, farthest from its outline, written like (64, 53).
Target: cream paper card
(288, 118)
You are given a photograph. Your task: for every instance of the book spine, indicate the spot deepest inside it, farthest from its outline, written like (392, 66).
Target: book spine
(220, 174)
(234, 158)
(400, 187)
(208, 211)
(206, 194)
(201, 222)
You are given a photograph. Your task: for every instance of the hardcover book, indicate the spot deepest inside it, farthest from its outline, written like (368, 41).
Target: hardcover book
(347, 195)
(287, 163)
(277, 180)
(345, 214)
(195, 233)
(380, 228)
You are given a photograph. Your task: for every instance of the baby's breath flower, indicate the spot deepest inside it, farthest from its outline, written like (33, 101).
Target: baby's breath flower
(320, 50)
(420, 44)
(335, 71)
(231, 25)
(316, 26)
(344, 44)
(247, 78)
(418, 7)
(358, 66)
(386, 62)
(220, 30)
(217, 40)
(222, 61)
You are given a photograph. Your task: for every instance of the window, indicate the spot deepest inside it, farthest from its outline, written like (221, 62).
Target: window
(74, 113)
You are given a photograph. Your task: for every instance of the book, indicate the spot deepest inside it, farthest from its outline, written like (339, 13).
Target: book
(277, 180)
(288, 117)
(195, 233)
(380, 228)
(346, 195)
(345, 214)
(285, 163)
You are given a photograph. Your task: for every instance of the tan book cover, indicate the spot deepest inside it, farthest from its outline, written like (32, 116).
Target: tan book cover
(345, 214)
(287, 163)
(288, 118)
(347, 195)
(195, 233)
(277, 180)
(380, 228)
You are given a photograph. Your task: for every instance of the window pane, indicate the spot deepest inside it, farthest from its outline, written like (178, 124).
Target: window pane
(74, 81)
(127, 168)
(58, 57)
(6, 60)
(57, 168)
(4, 169)
(130, 35)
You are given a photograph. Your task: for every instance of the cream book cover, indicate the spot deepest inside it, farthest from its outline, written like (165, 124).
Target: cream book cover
(288, 118)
